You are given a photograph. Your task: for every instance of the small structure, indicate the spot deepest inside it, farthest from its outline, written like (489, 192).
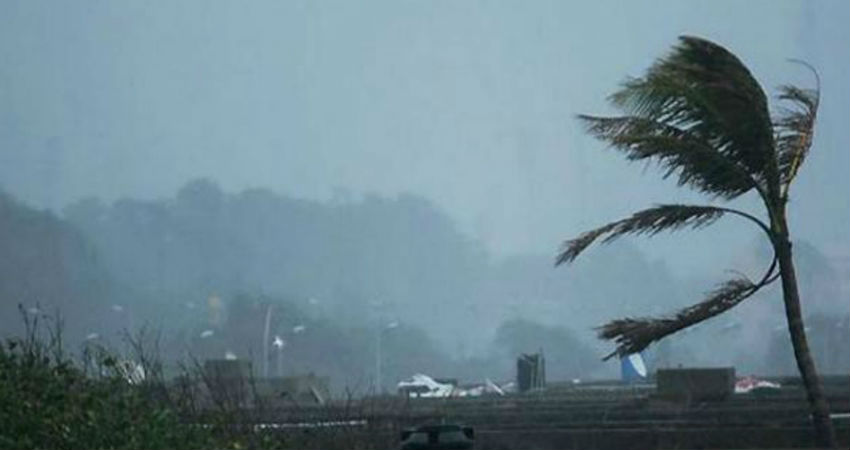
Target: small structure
(696, 384)
(443, 436)
(530, 372)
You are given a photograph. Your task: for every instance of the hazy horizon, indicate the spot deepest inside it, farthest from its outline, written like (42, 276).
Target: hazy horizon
(470, 105)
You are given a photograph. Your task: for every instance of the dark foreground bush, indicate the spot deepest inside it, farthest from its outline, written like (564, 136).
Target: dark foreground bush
(49, 400)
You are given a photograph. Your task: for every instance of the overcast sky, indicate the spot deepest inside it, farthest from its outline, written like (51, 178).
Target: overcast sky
(470, 104)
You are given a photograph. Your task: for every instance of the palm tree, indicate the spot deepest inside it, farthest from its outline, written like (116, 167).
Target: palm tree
(701, 115)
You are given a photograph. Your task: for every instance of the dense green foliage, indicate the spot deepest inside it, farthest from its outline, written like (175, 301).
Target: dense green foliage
(49, 401)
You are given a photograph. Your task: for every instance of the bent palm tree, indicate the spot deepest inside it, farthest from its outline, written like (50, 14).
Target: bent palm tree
(702, 116)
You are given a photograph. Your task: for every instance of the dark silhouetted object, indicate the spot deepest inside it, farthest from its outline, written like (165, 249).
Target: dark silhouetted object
(228, 380)
(696, 384)
(530, 372)
(433, 437)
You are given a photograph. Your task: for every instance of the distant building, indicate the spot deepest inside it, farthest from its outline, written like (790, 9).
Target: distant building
(530, 371)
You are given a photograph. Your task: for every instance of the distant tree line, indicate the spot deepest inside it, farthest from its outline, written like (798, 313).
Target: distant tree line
(206, 260)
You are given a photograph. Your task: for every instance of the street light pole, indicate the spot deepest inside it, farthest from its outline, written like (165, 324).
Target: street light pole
(378, 357)
(279, 343)
(378, 386)
(266, 342)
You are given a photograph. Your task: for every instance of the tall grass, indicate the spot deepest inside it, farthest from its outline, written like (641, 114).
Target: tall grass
(53, 399)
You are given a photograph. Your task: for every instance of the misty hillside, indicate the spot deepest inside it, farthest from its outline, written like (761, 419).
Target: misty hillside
(399, 253)
(211, 263)
(46, 263)
(400, 258)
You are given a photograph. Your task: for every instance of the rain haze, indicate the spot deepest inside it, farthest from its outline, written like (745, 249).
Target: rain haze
(354, 165)
(469, 104)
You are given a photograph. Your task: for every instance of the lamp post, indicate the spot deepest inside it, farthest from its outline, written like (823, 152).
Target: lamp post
(279, 343)
(378, 358)
(266, 342)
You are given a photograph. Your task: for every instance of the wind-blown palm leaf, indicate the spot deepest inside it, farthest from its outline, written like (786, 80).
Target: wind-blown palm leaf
(697, 163)
(703, 89)
(795, 127)
(701, 115)
(633, 335)
(649, 221)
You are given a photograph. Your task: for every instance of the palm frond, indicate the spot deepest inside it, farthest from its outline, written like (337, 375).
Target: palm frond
(649, 221)
(633, 335)
(704, 90)
(795, 127)
(696, 162)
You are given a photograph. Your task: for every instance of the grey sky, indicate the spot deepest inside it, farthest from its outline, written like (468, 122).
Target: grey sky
(470, 104)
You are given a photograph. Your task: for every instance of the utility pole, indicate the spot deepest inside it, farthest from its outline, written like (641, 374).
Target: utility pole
(279, 343)
(378, 357)
(378, 383)
(266, 342)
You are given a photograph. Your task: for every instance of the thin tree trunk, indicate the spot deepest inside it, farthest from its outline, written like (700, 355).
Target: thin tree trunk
(825, 434)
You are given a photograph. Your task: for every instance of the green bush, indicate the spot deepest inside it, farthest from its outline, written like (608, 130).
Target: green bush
(49, 400)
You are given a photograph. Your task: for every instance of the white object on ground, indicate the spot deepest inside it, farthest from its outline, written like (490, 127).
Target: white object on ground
(748, 383)
(425, 386)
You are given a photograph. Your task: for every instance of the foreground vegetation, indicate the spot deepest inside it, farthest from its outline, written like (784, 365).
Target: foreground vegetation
(47, 401)
(52, 399)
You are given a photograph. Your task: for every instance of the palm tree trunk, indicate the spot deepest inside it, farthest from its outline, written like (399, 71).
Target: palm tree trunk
(825, 434)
